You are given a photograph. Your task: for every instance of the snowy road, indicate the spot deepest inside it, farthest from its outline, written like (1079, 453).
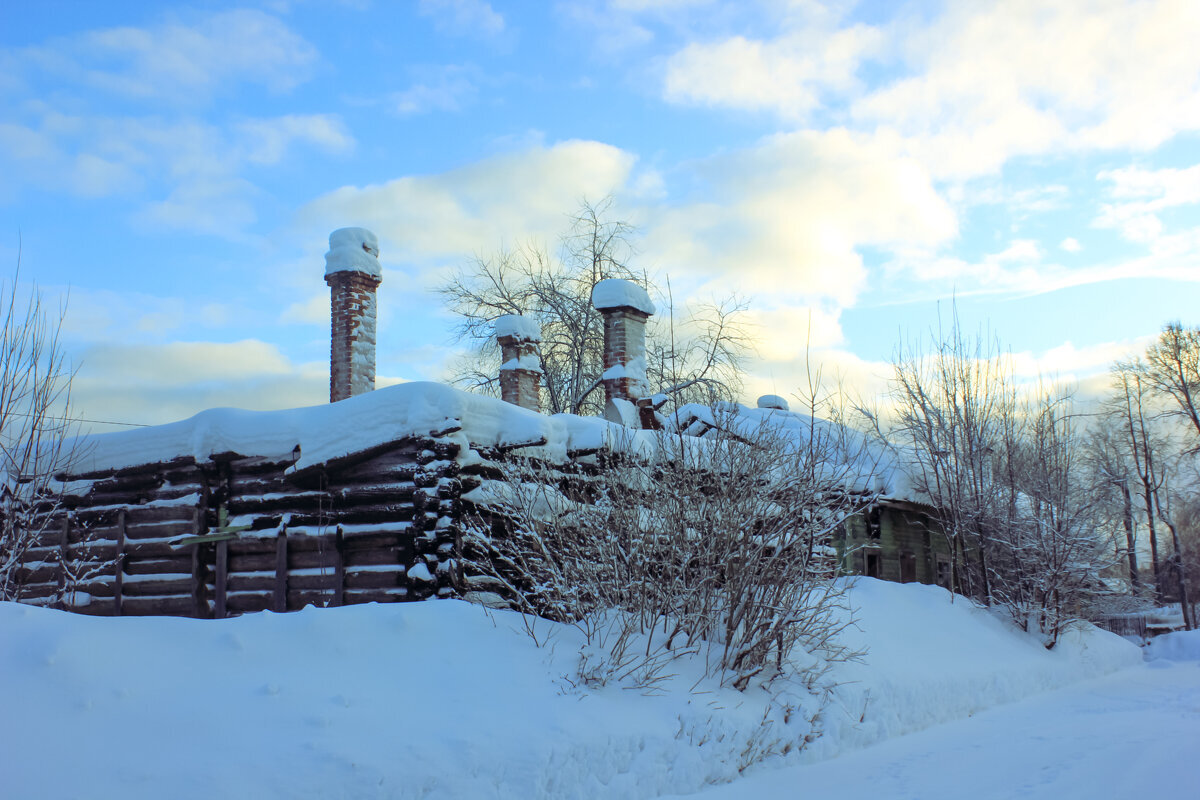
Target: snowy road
(1129, 735)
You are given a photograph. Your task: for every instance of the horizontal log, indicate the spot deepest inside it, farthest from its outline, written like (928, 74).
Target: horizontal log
(31, 591)
(47, 573)
(354, 596)
(310, 503)
(247, 602)
(379, 493)
(326, 581)
(251, 582)
(179, 463)
(312, 559)
(251, 546)
(375, 580)
(251, 562)
(102, 588)
(298, 599)
(153, 548)
(375, 556)
(83, 536)
(174, 606)
(97, 608)
(91, 551)
(166, 586)
(151, 515)
(154, 566)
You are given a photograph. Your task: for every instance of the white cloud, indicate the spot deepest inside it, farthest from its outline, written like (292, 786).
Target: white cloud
(992, 81)
(505, 200)
(1071, 245)
(787, 217)
(463, 17)
(178, 62)
(788, 75)
(973, 86)
(1139, 195)
(1069, 362)
(445, 88)
(191, 168)
(267, 141)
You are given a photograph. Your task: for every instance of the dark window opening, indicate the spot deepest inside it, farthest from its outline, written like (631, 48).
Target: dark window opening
(943, 571)
(872, 563)
(874, 524)
(908, 566)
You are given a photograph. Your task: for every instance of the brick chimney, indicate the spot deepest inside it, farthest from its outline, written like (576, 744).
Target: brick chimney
(353, 273)
(521, 367)
(625, 307)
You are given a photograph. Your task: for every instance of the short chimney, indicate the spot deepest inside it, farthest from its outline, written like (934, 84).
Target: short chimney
(625, 307)
(353, 274)
(520, 368)
(773, 401)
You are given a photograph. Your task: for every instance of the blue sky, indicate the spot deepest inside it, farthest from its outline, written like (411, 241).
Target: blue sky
(848, 167)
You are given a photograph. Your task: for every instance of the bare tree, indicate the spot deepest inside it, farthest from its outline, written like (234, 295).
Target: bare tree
(1113, 475)
(701, 362)
(1051, 553)
(954, 413)
(1172, 366)
(1005, 478)
(36, 431)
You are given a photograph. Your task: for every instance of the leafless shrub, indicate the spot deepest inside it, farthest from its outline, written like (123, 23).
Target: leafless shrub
(717, 544)
(37, 440)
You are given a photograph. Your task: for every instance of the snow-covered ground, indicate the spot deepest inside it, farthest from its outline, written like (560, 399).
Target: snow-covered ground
(443, 699)
(1128, 735)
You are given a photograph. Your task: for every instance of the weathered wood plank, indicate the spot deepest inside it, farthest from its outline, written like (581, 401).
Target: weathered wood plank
(222, 577)
(252, 582)
(179, 561)
(173, 606)
(158, 530)
(339, 584)
(247, 602)
(375, 580)
(119, 565)
(279, 601)
(182, 586)
(377, 595)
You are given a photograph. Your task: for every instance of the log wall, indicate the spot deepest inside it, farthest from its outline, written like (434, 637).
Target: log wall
(236, 534)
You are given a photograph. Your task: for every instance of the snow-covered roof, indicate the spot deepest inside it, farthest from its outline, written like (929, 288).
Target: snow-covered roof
(358, 424)
(317, 435)
(849, 456)
(353, 250)
(620, 293)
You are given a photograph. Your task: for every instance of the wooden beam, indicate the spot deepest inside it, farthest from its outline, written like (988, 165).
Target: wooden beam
(119, 577)
(222, 578)
(339, 568)
(279, 600)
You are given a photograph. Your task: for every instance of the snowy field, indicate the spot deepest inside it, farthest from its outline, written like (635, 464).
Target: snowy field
(443, 699)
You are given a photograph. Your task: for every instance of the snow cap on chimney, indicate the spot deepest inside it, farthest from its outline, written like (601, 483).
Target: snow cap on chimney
(620, 293)
(773, 401)
(353, 250)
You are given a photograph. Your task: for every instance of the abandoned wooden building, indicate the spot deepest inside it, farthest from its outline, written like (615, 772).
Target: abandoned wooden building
(365, 499)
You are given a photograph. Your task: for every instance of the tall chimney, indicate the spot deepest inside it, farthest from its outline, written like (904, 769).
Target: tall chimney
(625, 307)
(520, 368)
(353, 273)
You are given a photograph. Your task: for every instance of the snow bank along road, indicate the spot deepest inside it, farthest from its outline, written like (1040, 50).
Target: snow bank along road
(1128, 735)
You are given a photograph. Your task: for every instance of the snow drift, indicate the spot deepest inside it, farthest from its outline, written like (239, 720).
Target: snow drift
(444, 699)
